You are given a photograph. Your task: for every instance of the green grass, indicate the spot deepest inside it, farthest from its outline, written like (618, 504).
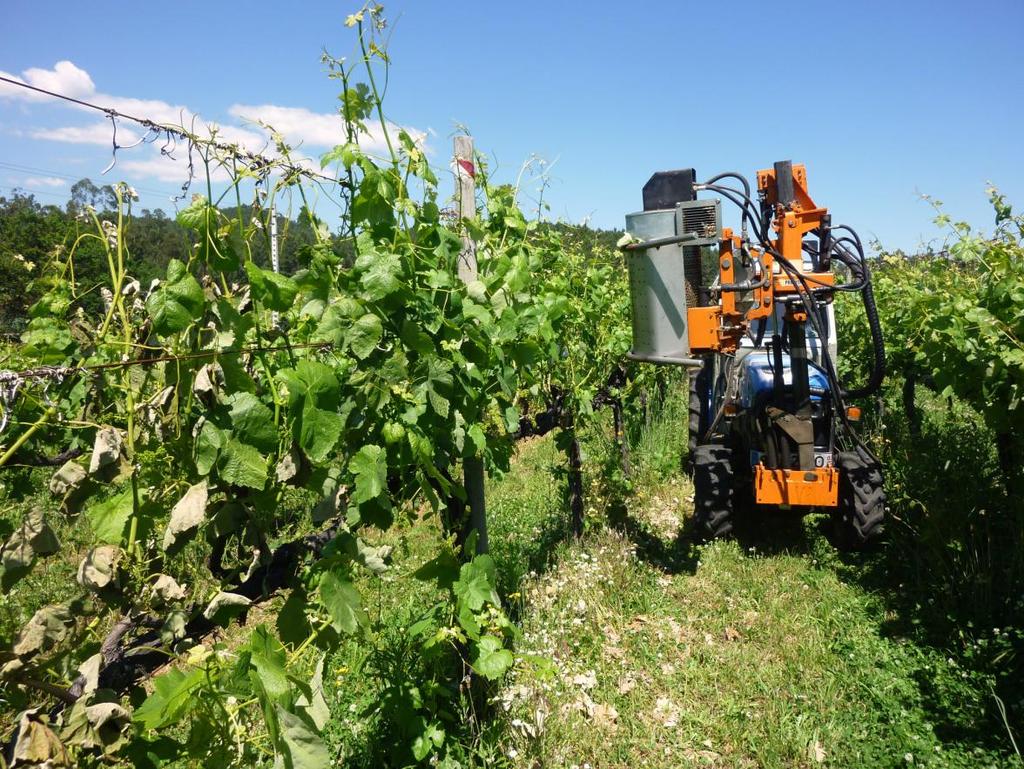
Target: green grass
(745, 660)
(763, 652)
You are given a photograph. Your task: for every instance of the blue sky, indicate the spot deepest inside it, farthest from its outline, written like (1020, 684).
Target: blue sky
(881, 100)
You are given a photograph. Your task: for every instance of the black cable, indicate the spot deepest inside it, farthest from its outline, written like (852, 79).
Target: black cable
(854, 262)
(878, 366)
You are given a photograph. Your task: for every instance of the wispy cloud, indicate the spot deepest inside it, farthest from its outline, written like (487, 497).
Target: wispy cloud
(168, 169)
(96, 133)
(301, 126)
(44, 181)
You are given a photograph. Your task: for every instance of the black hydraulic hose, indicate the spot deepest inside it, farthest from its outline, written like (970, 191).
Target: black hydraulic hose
(760, 332)
(838, 393)
(874, 382)
(854, 263)
(744, 285)
(878, 366)
(742, 202)
(732, 175)
(771, 453)
(802, 283)
(805, 293)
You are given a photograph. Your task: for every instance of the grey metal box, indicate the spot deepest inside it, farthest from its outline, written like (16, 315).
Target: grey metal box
(657, 290)
(702, 219)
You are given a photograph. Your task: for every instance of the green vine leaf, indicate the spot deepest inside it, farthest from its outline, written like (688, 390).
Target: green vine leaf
(171, 698)
(364, 336)
(381, 276)
(176, 304)
(252, 422)
(304, 748)
(492, 659)
(369, 466)
(270, 660)
(273, 290)
(341, 599)
(109, 518)
(243, 465)
(208, 443)
(476, 583)
(319, 431)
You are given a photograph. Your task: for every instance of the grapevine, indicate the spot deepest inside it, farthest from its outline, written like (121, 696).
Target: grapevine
(190, 414)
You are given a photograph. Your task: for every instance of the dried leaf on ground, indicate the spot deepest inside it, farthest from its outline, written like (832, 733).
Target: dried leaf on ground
(665, 712)
(627, 684)
(606, 716)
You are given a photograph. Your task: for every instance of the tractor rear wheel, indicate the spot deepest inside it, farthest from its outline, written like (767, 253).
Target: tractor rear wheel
(699, 416)
(713, 491)
(860, 516)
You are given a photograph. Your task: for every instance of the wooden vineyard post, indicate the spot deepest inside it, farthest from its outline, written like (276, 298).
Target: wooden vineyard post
(465, 179)
(472, 467)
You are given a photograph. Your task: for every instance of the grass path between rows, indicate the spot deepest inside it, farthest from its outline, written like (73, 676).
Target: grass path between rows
(665, 654)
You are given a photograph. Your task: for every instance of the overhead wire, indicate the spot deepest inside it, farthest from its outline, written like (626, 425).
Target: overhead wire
(257, 161)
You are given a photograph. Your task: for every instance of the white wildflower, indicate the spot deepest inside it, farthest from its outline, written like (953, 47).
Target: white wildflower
(110, 230)
(126, 191)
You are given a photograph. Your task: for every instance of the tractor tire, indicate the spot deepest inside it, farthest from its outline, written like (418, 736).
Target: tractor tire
(859, 518)
(699, 416)
(713, 491)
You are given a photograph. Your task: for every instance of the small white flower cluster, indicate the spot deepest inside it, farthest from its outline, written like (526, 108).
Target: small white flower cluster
(125, 191)
(29, 266)
(110, 231)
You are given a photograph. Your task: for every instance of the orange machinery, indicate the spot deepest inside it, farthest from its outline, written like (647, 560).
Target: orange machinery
(772, 426)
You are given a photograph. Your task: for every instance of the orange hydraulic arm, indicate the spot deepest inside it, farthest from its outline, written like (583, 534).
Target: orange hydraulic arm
(750, 283)
(720, 327)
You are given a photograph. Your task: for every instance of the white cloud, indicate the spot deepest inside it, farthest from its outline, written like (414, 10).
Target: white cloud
(64, 78)
(97, 133)
(300, 126)
(44, 181)
(251, 141)
(167, 169)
